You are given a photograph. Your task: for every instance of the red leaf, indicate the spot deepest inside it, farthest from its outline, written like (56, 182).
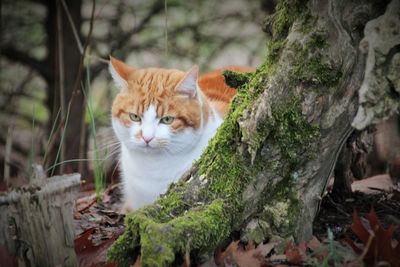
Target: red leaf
(244, 256)
(222, 256)
(359, 229)
(7, 258)
(377, 243)
(295, 254)
(137, 262)
(91, 255)
(83, 242)
(318, 248)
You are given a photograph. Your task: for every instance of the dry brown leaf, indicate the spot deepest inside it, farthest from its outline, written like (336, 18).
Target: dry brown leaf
(295, 254)
(318, 248)
(265, 249)
(243, 256)
(222, 256)
(137, 262)
(90, 254)
(373, 185)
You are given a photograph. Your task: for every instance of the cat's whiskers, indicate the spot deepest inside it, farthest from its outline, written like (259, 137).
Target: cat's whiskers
(111, 155)
(105, 141)
(162, 142)
(106, 148)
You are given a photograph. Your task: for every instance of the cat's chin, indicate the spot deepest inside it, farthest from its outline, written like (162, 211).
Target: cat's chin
(147, 149)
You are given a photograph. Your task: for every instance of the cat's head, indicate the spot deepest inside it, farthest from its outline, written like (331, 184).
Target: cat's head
(156, 109)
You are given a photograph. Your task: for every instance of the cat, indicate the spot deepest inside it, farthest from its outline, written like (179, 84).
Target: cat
(163, 119)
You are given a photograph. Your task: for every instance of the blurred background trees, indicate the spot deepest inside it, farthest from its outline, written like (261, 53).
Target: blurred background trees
(55, 91)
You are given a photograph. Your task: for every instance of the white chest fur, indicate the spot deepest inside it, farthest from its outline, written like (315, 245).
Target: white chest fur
(147, 175)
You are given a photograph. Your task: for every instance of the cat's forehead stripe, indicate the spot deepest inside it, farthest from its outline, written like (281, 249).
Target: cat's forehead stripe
(150, 112)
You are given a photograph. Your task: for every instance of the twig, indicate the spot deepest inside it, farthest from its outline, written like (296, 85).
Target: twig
(74, 31)
(10, 52)
(76, 35)
(337, 207)
(82, 148)
(94, 200)
(8, 150)
(367, 246)
(60, 49)
(166, 29)
(18, 90)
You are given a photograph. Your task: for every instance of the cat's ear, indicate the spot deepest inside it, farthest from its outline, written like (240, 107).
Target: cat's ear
(120, 72)
(188, 85)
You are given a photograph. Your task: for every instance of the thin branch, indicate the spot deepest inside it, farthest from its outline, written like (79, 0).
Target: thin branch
(166, 28)
(76, 35)
(42, 2)
(156, 8)
(10, 52)
(61, 71)
(74, 31)
(7, 112)
(8, 150)
(17, 91)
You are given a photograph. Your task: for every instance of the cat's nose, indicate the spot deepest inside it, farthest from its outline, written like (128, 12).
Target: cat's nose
(147, 139)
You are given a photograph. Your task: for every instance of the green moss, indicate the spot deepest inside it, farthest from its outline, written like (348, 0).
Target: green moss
(124, 250)
(277, 213)
(275, 48)
(283, 210)
(236, 79)
(309, 65)
(160, 242)
(291, 132)
(174, 203)
(287, 11)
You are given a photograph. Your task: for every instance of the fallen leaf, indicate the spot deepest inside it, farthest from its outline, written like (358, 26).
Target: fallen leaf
(377, 242)
(265, 249)
(373, 185)
(90, 254)
(137, 262)
(244, 256)
(320, 251)
(295, 254)
(6, 258)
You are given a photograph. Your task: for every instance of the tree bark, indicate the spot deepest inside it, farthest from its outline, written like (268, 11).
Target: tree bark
(36, 223)
(65, 98)
(269, 162)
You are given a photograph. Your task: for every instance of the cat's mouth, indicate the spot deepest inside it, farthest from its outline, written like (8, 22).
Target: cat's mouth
(149, 147)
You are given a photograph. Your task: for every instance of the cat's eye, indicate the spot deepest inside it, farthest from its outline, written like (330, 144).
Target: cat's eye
(134, 117)
(167, 119)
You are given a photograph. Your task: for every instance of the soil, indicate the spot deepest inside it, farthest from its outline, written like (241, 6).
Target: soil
(336, 214)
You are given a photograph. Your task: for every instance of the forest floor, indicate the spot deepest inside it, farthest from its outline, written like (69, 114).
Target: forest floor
(359, 230)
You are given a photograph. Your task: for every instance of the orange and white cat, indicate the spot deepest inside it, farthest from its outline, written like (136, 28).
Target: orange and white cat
(164, 119)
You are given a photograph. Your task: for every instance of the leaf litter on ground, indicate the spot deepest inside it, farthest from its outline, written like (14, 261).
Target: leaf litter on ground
(98, 225)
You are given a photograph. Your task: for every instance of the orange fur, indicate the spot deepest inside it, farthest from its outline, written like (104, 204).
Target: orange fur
(158, 87)
(216, 90)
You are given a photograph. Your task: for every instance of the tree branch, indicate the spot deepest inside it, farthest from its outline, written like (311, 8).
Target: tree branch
(22, 57)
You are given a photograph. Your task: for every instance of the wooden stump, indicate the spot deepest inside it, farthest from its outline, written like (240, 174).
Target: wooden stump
(36, 222)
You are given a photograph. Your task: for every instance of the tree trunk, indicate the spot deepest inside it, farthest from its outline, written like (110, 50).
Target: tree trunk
(65, 98)
(269, 162)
